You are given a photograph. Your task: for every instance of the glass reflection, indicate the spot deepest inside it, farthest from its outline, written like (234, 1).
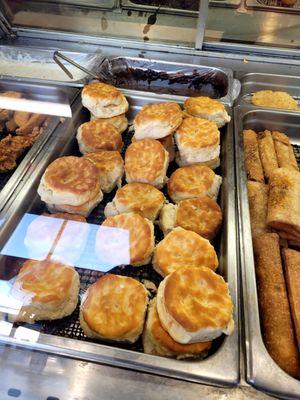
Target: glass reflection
(74, 243)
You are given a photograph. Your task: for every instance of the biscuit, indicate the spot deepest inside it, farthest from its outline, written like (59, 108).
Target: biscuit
(157, 341)
(198, 140)
(96, 135)
(141, 198)
(201, 215)
(169, 144)
(103, 101)
(69, 180)
(183, 248)
(120, 122)
(146, 161)
(193, 181)
(114, 308)
(270, 98)
(46, 290)
(213, 164)
(194, 305)
(156, 121)
(141, 237)
(84, 209)
(205, 107)
(110, 166)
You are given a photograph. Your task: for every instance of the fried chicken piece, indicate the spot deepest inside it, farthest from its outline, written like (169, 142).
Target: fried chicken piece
(21, 117)
(5, 115)
(11, 126)
(34, 120)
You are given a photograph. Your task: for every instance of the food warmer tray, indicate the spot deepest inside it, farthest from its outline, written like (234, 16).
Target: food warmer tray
(58, 337)
(273, 5)
(253, 82)
(10, 180)
(261, 371)
(170, 78)
(35, 61)
(181, 7)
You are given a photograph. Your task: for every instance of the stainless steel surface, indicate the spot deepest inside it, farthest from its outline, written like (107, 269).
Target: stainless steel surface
(57, 55)
(23, 167)
(202, 17)
(262, 372)
(210, 370)
(273, 5)
(212, 81)
(38, 61)
(253, 82)
(40, 376)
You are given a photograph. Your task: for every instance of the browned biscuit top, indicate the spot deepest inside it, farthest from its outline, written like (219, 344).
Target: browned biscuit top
(198, 298)
(72, 174)
(114, 306)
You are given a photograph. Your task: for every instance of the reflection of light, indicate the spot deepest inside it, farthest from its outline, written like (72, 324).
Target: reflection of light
(29, 335)
(41, 235)
(5, 328)
(35, 106)
(74, 243)
(71, 242)
(9, 303)
(112, 246)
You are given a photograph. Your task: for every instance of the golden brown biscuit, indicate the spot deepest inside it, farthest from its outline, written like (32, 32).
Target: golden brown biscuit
(169, 144)
(110, 166)
(120, 122)
(96, 135)
(103, 101)
(198, 140)
(157, 341)
(193, 181)
(46, 290)
(146, 161)
(66, 217)
(201, 215)
(156, 121)
(141, 198)
(194, 305)
(114, 308)
(69, 180)
(84, 209)
(183, 248)
(205, 107)
(269, 98)
(141, 236)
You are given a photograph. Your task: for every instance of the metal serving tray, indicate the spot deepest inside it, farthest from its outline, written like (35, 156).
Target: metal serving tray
(273, 5)
(28, 61)
(253, 82)
(10, 180)
(261, 371)
(211, 370)
(170, 78)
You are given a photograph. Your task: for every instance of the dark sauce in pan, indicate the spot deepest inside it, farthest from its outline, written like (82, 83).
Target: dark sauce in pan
(130, 74)
(192, 5)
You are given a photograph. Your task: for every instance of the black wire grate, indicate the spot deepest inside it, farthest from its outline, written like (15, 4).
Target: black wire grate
(69, 327)
(296, 148)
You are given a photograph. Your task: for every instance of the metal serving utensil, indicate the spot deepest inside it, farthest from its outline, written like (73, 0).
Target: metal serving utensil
(57, 55)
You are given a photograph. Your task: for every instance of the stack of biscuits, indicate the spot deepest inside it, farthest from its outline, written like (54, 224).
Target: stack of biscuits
(193, 304)
(274, 192)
